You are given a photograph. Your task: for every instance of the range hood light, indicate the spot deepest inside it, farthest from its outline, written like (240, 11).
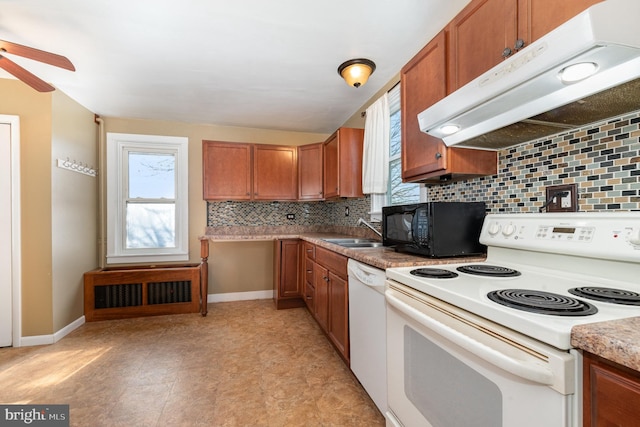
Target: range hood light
(449, 129)
(576, 72)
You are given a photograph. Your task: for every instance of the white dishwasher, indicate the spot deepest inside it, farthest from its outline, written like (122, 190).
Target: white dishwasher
(368, 330)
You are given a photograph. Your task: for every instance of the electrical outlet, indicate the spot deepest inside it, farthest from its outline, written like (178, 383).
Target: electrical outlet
(346, 211)
(291, 216)
(562, 198)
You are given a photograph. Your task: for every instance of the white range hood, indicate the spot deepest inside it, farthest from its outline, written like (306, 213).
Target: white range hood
(523, 98)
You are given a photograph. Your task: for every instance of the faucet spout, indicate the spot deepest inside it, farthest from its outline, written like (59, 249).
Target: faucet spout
(362, 221)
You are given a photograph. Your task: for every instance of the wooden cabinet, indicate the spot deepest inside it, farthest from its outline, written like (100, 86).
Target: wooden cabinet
(308, 275)
(275, 172)
(487, 31)
(611, 393)
(343, 163)
(236, 171)
(287, 291)
(226, 171)
(310, 172)
(424, 157)
(332, 271)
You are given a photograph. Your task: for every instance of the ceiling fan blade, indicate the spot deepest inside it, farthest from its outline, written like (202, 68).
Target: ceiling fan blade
(36, 54)
(35, 82)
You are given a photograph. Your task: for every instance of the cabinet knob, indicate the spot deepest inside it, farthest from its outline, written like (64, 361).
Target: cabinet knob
(438, 155)
(519, 44)
(507, 52)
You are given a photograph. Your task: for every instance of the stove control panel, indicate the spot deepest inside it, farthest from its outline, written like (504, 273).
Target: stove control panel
(606, 235)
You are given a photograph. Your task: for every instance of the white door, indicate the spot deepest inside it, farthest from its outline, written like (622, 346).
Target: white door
(10, 246)
(5, 237)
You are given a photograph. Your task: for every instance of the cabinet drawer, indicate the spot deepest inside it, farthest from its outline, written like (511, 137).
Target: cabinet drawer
(308, 271)
(332, 261)
(309, 294)
(310, 250)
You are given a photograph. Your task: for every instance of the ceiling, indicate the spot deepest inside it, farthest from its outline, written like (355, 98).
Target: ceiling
(248, 63)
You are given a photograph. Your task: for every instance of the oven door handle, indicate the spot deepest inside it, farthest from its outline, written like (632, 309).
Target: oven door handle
(528, 370)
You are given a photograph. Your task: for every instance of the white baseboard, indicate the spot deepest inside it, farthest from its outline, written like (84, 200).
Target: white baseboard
(53, 338)
(239, 296)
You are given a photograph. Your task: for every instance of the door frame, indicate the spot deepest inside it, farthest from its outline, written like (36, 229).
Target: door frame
(16, 246)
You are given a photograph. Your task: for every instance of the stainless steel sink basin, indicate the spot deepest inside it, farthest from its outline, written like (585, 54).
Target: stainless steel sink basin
(355, 242)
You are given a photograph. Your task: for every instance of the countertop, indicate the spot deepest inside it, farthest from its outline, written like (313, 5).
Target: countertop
(615, 340)
(381, 257)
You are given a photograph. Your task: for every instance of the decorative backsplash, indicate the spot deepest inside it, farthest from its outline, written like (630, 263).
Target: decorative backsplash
(275, 213)
(602, 159)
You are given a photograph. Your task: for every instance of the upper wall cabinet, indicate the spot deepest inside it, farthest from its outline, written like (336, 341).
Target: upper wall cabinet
(235, 171)
(343, 163)
(310, 172)
(424, 157)
(487, 31)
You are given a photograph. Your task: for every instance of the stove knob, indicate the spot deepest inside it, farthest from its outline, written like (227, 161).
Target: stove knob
(508, 230)
(494, 228)
(634, 237)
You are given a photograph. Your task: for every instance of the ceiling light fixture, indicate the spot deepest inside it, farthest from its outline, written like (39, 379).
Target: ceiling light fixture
(356, 72)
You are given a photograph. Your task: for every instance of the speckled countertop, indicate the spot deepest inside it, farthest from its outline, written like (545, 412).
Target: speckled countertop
(378, 257)
(615, 340)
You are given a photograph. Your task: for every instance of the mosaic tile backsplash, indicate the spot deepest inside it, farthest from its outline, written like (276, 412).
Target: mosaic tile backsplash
(602, 159)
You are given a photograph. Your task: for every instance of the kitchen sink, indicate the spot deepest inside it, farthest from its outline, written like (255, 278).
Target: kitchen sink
(355, 242)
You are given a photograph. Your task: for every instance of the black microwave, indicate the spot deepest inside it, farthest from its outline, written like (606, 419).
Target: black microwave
(434, 229)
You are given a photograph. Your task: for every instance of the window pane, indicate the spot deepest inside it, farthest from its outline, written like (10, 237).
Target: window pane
(394, 137)
(152, 176)
(151, 225)
(401, 193)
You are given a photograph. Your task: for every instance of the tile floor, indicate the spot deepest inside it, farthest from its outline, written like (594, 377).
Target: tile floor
(245, 364)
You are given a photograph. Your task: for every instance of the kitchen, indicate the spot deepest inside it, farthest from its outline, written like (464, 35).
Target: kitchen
(517, 187)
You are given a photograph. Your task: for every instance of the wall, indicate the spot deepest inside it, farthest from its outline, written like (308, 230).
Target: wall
(229, 270)
(73, 208)
(34, 110)
(603, 159)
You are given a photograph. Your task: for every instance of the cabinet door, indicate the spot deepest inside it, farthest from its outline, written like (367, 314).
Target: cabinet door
(339, 313)
(538, 17)
(275, 173)
(611, 393)
(321, 283)
(310, 172)
(423, 83)
(331, 159)
(479, 34)
(289, 261)
(226, 171)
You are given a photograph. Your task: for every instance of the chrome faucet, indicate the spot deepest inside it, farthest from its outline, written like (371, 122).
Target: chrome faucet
(362, 221)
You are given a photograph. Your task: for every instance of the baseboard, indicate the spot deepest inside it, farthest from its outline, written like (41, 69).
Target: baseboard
(53, 338)
(240, 296)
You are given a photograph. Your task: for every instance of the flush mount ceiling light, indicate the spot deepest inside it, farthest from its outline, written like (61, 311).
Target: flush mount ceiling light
(576, 72)
(356, 72)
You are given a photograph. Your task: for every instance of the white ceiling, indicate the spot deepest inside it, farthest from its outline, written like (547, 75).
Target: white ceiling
(268, 64)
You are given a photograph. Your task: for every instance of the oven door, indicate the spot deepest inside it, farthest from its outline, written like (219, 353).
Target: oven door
(447, 367)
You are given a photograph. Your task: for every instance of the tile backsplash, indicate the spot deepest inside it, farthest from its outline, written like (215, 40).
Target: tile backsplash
(603, 159)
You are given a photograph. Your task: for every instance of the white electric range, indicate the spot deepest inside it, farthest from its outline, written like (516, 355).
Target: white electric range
(509, 318)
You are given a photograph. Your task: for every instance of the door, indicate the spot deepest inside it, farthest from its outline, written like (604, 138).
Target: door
(9, 224)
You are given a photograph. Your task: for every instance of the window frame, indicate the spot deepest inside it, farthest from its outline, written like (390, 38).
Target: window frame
(118, 147)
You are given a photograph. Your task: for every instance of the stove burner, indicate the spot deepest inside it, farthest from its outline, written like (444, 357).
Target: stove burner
(434, 273)
(614, 296)
(542, 302)
(488, 270)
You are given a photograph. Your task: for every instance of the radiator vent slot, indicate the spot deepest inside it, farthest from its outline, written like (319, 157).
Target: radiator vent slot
(113, 296)
(168, 292)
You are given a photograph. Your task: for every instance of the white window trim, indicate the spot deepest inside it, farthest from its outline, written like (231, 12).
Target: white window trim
(117, 145)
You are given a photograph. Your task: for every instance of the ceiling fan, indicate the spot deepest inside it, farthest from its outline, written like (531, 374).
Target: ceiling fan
(35, 54)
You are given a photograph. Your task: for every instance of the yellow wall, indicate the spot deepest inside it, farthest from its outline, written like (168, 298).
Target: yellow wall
(230, 269)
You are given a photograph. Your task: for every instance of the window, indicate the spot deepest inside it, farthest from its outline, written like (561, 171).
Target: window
(147, 198)
(398, 193)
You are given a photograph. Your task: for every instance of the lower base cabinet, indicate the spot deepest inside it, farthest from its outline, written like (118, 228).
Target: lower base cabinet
(287, 292)
(611, 393)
